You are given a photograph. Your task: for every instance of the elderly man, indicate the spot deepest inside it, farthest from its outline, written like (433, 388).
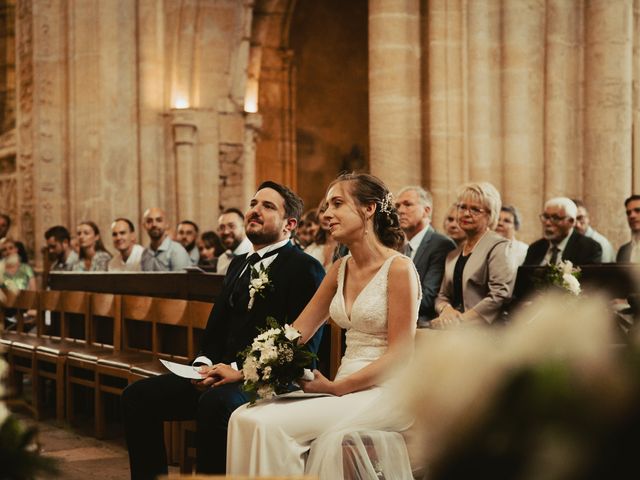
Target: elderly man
(129, 254)
(630, 252)
(583, 225)
(187, 235)
(561, 240)
(427, 248)
(163, 254)
(232, 235)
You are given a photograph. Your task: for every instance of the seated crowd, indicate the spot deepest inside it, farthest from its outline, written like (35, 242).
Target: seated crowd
(356, 238)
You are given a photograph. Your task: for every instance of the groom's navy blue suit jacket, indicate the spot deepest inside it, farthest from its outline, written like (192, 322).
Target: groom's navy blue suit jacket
(295, 277)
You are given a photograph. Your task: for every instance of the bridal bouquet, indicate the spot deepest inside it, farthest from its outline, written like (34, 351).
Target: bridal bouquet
(274, 361)
(564, 276)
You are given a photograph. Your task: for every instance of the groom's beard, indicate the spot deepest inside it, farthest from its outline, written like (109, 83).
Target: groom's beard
(263, 238)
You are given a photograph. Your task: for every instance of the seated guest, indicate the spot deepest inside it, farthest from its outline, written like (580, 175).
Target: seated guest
(630, 252)
(129, 253)
(232, 326)
(187, 235)
(561, 240)
(5, 225)
(233, 237)
(324, 247)
(210, 249)
(583, 226)
(508, 225)
(93, 257)
(163, 254)
(451, 227)
(309, 228)
(427, 248)
(60, 253)
(478, 276)
(14, 273)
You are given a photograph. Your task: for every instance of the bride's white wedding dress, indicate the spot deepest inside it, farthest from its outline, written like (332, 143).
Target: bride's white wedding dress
(355, 434)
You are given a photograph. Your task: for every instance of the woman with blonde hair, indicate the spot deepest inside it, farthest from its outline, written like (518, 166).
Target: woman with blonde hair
(479, 276)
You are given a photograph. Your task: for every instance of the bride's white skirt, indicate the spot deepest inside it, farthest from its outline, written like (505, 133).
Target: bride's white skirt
(326, 436)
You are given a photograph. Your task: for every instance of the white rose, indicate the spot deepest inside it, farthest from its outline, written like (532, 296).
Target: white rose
(290, 332)
(566, 266)
(250, 369)
(571, 283)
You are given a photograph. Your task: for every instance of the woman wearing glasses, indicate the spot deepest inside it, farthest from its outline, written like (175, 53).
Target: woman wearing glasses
(479, 277)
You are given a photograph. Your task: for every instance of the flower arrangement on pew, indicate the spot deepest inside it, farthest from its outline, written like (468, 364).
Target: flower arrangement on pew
(274, 361)
(19, 455)
(562, 275)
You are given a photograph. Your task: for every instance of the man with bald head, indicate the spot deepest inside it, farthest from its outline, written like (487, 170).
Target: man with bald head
(163, 254)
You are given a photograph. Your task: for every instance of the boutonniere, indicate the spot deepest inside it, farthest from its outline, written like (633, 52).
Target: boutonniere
(259, 284)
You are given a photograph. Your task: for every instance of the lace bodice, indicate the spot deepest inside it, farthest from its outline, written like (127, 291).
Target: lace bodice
(366, 335)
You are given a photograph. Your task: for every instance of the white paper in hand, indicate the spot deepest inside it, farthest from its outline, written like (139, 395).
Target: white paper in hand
(184, 371)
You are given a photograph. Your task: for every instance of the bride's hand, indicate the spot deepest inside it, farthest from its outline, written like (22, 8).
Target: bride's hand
(319, 384)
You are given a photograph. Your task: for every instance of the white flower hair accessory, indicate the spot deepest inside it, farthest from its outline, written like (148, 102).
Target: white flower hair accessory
(387, 203)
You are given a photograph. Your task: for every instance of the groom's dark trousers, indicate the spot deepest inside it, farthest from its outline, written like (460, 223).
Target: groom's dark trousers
(295, 277)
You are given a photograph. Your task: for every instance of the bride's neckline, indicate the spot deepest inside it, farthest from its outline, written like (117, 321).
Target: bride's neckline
(343, 286)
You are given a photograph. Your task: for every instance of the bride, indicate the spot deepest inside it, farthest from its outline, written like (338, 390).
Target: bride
(374, 294)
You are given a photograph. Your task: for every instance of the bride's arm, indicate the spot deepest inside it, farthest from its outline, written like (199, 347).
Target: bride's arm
(402, 316)
(317, 310)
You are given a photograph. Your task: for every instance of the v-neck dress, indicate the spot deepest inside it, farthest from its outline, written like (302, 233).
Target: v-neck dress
(291, 437)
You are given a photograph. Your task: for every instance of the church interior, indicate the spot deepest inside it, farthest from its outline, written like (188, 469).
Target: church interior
(109, 108)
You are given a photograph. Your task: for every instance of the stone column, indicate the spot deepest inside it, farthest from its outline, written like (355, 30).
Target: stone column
(183, 123)
(394, 91)
(563, 99)
(483, 41)
(447, 153)
(608, 114)
(523, 71)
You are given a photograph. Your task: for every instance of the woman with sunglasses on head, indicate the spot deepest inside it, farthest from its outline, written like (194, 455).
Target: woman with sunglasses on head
(478, 277)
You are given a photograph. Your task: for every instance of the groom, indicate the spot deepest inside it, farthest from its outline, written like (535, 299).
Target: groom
(293, 277)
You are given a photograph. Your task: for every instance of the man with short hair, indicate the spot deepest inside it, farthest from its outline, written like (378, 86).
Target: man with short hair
(427, 248)
(293, 276)
(59, 251)
(630, 251)
(561, 240)
(583, 225)
(163, 254)
(233, 236)
(187, 235)
(129, 254)
(5, 224)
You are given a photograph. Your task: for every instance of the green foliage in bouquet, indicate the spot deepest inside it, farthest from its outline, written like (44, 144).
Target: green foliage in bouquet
(548, 422)
(274, 361)
(563, 276)
(19, 457)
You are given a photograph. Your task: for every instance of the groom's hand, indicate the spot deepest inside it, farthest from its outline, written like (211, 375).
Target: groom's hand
(216, 375)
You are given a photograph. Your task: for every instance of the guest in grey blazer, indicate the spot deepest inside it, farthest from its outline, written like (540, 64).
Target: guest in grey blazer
(427, 248)
(478, 276)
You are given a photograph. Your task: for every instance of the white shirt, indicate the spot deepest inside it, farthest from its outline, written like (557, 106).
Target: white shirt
(561, 246)
(608, 255)
(117, 264)
(634, 257)
(517, 252)
(414, 243)
(225, 259)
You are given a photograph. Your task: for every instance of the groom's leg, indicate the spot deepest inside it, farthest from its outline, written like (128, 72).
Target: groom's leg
(214, 409)
(146, 404)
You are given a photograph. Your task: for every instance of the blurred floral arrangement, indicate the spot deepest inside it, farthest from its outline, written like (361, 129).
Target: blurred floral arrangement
(550, 399)
(562, 275)
(19, 456)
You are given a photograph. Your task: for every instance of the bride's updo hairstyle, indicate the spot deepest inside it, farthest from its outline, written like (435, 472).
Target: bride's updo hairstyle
(367, 189)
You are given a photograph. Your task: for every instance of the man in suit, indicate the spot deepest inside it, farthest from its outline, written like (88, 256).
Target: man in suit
(294, 277)
(583, 226)
(233, 238)
(630, 252)
(561, 240)
(427, 248)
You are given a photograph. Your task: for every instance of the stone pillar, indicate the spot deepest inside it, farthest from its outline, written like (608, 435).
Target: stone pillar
(523, 71)
(483, 83)
(563, 99)
(447, 152)
(394, 91)
(185, 131)
(608, 114)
